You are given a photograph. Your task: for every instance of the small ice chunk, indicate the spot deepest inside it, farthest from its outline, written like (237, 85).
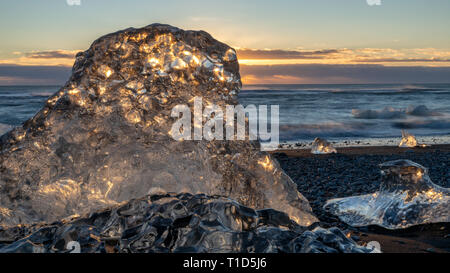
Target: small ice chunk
(406, 197)
(409, 141)
(321, 146)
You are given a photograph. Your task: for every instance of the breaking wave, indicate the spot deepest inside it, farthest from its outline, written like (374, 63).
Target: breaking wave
(422, 124)
(311, 131)
(42, 94)
(392, 113)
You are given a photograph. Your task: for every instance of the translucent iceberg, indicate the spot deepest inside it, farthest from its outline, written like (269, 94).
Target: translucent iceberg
(321, 146)
(407, 197)
(104, 138)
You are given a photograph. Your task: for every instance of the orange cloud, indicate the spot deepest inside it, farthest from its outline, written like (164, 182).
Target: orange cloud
(275, 79)
(385, 56)
(269, 66)
(280, 54)
(43, 58)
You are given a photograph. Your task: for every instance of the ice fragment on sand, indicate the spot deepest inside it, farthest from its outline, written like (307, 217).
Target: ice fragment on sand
(406, 197)
(409, 141)
(321, 146)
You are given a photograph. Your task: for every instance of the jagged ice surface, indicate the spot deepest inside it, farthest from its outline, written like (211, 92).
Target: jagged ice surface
(407, 197)
(104, 138)
(178, 223)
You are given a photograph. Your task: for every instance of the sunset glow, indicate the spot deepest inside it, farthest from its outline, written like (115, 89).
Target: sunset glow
(307, 33)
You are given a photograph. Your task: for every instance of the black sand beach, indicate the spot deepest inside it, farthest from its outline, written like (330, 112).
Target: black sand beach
(354, 171)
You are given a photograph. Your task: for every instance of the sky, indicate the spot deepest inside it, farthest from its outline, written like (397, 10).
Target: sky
(283, 41)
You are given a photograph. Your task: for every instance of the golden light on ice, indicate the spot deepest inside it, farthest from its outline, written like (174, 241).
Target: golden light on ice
(73, 91)
(408, 140)
(419, 174)
(105, 71)
(325, 149)
(432, 194)
(266, 163)
(110, 186)
(153, 61)
(5, 211)
(321, 146)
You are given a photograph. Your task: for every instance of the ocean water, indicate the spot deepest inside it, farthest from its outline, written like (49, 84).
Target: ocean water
(19, 103)
(363, 114)
(372, 114)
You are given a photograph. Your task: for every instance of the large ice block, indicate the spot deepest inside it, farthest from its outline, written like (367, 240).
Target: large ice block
(406, 197)
(105, 137)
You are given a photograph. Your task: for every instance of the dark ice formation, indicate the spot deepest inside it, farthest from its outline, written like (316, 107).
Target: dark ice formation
(407, 197)
(104, 138)
(178, 223)
(321, 146)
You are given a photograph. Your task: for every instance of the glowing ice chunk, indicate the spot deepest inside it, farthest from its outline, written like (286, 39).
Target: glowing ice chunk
(321, 146)
(407, 197)
(409, 141)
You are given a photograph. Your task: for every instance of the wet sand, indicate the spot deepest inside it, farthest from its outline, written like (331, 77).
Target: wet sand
(354, 171)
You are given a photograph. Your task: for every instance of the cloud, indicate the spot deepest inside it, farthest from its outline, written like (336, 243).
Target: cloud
(308, 73)
(42, 58)
(268, 74)
(386, 56)
(261, 54)
(33, 75)
(393, 60)
(51, 54)
(343, 73)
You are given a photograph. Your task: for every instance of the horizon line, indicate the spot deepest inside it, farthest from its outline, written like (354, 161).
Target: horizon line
(253, 84)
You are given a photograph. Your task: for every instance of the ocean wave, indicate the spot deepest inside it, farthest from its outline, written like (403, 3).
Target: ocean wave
(415, 88)
(42, 94)
(380, 91)
(392, 113)
(311, 131)
(386, 113)
(423, 124)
